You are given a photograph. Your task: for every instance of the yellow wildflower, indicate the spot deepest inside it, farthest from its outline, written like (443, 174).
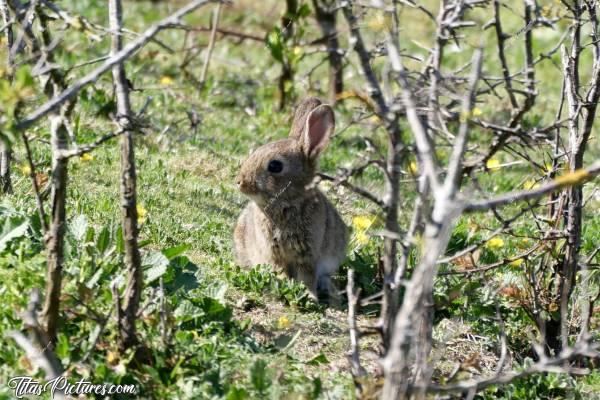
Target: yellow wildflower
(141, 212)
(362, 237)
(413, 168)
(553, 307)
(476, 112)
(492, 164)
(283, 322)
(363, 222)
(166, 80)
(495, 243)
(112, 357)
(516, 263)
(25, 169)
(530, 184)
(86, 157)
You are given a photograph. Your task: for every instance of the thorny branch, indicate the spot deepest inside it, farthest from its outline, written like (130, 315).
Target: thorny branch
(123, 54)
(450, 104)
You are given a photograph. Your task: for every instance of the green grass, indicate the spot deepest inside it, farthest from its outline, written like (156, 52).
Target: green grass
(237, 333)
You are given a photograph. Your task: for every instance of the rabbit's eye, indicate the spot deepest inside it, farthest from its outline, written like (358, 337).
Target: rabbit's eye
(275, 166)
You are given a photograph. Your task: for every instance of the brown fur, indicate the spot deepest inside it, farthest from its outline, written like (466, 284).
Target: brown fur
(289, 223)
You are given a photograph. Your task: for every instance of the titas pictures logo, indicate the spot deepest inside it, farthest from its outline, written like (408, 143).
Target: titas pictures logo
(27, 386)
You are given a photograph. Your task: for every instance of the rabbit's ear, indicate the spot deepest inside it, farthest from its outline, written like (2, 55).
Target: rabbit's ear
(302, 111)
(318, 129)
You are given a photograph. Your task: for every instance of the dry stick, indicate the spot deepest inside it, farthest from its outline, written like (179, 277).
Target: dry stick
(54, 238)
(578, 140)
(373, 86)
(358, 190)
(37, 346)
(223, 31)
(77, 21)
(435, 76)
(126, 52)
(425, 151)
(5, 153)
(25, 18)
(572, 207)
(287, 32)
(501, 38)
(476, 246)
(133, 264)
(6, 20)
(34, 182)
(487, 267)
(211, 43)
(434, 70)
(114, 288)
(391, 197)
(164, 317)
(54, 241)
(5, 157)
(530, 94)
(446, 210)
(572, 179)
(455, 165)
(354, 354)
(396, 363)
(553, 365)
(86, 148)
(96, 335)
(593, 95)
(448, 192)
(325, 14)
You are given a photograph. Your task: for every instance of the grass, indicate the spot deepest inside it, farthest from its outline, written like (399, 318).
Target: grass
(239, 333)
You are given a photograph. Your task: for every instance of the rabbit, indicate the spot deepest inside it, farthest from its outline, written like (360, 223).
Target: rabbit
(289, 223)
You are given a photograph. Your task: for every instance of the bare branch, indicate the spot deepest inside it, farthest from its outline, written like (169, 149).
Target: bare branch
(556, 365)
(572, 179)
(356, 189)
(452, 182)
(117, 58)
(211, 42)
(354, 354)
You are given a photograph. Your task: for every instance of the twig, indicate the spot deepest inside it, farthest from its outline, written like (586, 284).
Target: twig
(555, 365)
(37, 347)
(354, 354)
(128, 187)
(5, 151)
(117, 58)
(211, 42)
(356, 189)
(117, 299)
(86, 148)
(222, 31)
(572, 179)
(164, 317)
(34, 182)
(452, 182)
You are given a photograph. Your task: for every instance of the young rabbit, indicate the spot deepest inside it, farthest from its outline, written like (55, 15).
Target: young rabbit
(289, 223)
